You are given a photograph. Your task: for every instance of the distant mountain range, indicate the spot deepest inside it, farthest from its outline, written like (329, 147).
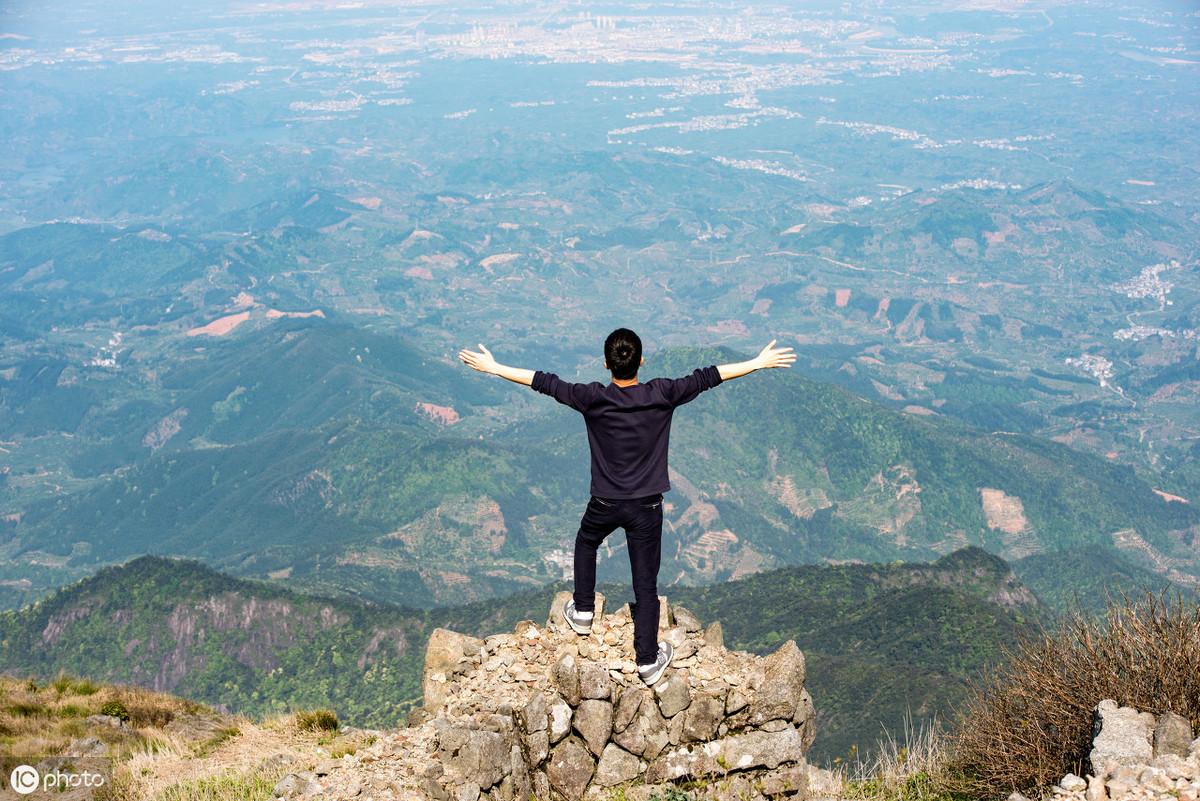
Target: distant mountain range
(348, 461)
(882, 640)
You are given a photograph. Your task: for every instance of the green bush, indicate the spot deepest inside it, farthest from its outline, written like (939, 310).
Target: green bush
(115, 709)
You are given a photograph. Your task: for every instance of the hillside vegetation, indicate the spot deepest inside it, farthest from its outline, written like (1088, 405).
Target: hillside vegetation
(879, 638)
(299, 451)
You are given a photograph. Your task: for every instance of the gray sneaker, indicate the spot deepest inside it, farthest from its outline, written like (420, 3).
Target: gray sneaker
(652, 673)
(580, 622)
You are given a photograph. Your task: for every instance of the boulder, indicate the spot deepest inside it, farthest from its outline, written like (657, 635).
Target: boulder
(467, 791)
(646, 733)
(754, 749)
(87, 747)
(297, 785)
(782, 688)
(616, 765)
(537, 746)
(701, 718)
(522, 787)
(736, 701)
(533, 714)
(1096, 791)
(1072, 783)
(570, 769)
(476, 754)
(447, 654)
(1172, 735)
(714, 635)
(593, 720)
(627, 706)
(673, 693)
(785, 780)
(594, 681)
(1121, 736)
(106, 720)
(541, 785)
(684, 618)
(560, 719)
(805, 719)
(565, 675)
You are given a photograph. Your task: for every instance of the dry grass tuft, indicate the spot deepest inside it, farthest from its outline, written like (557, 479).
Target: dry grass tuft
(1030, 721)
(911, 768)
(317, 720)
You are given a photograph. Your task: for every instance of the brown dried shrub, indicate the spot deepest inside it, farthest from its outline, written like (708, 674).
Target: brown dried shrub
(1029, 721)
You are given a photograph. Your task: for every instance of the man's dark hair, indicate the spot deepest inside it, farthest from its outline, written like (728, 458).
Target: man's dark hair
(623, 352)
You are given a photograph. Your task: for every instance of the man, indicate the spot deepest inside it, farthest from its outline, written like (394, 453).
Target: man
(628, 427)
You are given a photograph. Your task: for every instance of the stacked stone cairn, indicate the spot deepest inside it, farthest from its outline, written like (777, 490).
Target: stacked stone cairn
(545, 713)
(1136, 755)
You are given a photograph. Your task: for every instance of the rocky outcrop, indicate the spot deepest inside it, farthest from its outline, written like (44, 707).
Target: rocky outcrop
(542, 711)
(1137, 756)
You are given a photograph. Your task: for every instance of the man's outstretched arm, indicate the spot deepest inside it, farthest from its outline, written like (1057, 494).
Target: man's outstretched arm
(485, 363)
(770, 356)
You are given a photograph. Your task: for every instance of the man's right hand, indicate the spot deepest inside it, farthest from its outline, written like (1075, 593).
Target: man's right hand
(771, 356)
(483, 361)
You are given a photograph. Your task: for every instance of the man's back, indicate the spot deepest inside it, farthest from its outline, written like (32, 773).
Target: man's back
(628, 427)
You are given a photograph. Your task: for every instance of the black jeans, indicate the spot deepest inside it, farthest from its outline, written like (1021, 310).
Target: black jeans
(642, 519)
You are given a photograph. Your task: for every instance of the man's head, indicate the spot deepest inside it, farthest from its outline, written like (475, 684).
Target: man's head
(623, 353)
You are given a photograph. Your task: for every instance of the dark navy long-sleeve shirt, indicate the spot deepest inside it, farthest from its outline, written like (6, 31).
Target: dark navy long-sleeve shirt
(628, 428)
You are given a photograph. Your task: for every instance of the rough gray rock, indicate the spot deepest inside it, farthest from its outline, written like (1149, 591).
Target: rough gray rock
(627, 706)
(1096, 791)
(646, 734)
(297, 785)
(1072, 783)
(594, 681)
(521, 785)
(566, 679)
(675, 730)
(106, 720)
(714, 635)
(537, 745)
(560, 719)
(785, 780)
(755, 749)
(541, 785)
(593, 721)
(533, 714)
(87, 747)
(737, 700)
(701, 718)
(482, 756)
(673, 693)
(545, 712)
(570, 769)
(1172, 735)
(1121, 736)
(782, 688)
(467, 791)
(683, 617)
(447, 654)
(616, 765)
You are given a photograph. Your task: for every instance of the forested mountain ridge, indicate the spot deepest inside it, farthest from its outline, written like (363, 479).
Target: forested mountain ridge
(393, 476)
(252, 646)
